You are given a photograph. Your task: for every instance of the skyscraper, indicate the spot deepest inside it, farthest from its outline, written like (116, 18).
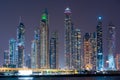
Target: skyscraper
(68, 39)
(99, 45)
(94, 50)
(6, 58)
(54, 51)
(87, 52)
(21, 44)
(111, 46)
(117, 61)
(35, 50)
(77, 55)
(13, 53)
(44, 40)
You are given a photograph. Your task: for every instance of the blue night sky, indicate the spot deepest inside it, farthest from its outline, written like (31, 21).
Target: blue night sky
(84, 17)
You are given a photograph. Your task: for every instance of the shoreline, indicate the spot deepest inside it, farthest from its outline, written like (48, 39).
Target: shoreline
(66, 75)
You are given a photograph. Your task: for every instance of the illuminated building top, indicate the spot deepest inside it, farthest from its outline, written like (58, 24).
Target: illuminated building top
(67, 11)
(44, 16)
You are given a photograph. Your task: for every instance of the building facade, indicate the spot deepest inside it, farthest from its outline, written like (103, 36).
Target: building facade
(6, 58)
(44, 41)
(35, 50)
(117, 60)
(21, 44)
(54, 51)
(111, 46)
(99, 45)
(87, 51)
(77, 55)
(13, 53)
(68, 39)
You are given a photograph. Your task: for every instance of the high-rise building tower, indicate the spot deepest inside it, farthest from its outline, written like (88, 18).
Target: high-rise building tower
(87, 52)
(44, 41)
(35, 50)
(54, 51)
(21, 44)
(111, 46)
(68, 39)
(117, 61)
(94, 50)
(77, 55)
(6, 58)
(99, 45)
(34, 54)
(12, 52)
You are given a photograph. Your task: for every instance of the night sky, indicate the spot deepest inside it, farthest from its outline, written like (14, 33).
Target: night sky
(84, 17)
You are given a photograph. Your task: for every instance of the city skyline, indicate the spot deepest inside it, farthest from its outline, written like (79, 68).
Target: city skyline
(78, 23)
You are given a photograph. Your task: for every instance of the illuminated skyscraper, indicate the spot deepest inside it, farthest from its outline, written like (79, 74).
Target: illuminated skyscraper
(44, 41)
(13, 53)
(87, 52)
(99, 45)
(34, 54)
(21, 44)
(111, 46)
(6, 58)
(54, 51)
(68, 39)
(77, 55)
(117, 61)
(35, 50)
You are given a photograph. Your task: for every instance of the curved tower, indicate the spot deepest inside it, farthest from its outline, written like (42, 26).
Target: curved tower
(111, 46)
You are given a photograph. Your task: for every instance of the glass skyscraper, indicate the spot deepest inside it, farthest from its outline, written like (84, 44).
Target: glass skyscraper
(21, 44)
(69, 35)
(87, 51)
(111, 46)
(13, 53)
(99, 45)
(35, 50)
(77, 55)
(44, 40)
(6, 58)
(54, 51)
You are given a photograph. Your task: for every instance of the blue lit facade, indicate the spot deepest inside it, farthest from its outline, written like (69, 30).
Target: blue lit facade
(13, 52)
(21, 44)
(111, 46)
(54, 51)
(35, 50)
(44, 41)
(69, 36)
(99, 45)
(6, 58)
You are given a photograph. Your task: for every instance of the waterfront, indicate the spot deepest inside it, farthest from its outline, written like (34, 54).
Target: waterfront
(63, 78)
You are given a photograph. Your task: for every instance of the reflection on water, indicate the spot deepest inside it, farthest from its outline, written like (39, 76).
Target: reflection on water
(25, 78)
(63, 78)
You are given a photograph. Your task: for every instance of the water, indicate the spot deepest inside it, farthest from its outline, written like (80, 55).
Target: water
(63, 78)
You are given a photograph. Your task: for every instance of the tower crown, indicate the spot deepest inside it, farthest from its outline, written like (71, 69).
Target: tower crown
(67, 11)
(44, 15)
